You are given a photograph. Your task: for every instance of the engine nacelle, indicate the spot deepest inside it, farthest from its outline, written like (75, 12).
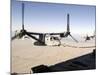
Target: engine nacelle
(62, 35)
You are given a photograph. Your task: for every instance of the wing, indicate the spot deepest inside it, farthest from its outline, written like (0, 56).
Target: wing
(33, 37)
(55, 33)
(14, 37)
(35, 33)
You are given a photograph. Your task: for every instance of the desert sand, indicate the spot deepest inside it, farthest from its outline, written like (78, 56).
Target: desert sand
(25, 55)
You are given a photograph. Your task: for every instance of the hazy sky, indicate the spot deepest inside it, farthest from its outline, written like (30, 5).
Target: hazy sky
(48, 17)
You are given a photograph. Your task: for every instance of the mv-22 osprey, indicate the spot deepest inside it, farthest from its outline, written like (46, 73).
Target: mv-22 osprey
(44, 38)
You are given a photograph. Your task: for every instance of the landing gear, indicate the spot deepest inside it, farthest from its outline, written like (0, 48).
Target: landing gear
(39, 43)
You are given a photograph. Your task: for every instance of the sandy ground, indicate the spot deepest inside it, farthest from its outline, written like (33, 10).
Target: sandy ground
(25, 55)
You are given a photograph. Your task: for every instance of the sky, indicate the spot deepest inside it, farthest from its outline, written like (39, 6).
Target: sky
(51, 17)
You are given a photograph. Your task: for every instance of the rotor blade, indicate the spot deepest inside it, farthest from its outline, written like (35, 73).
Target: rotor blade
(16, 36)
(73, 38)
(23, 15)
(33, 37)
(23, 6)
(68, 29)
(22, 27)
(21, 34)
